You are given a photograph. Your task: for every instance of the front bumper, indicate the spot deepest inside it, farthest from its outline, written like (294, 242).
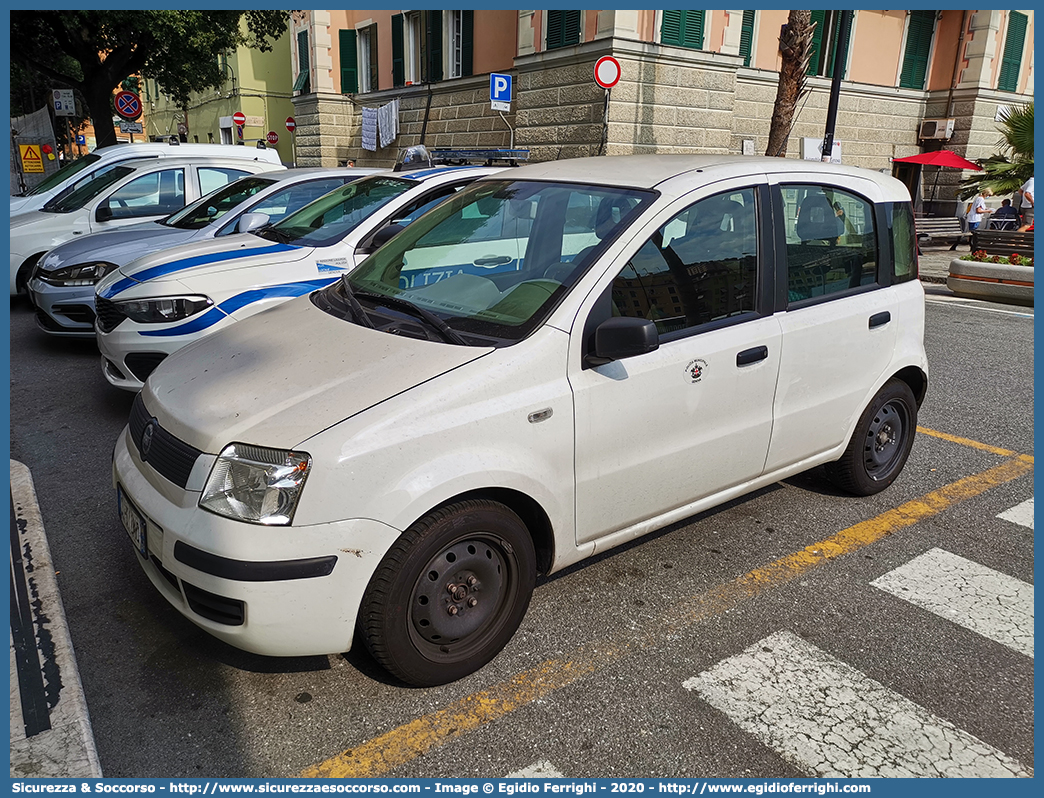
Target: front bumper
(278, 591)
(63, 310)
(129, 357)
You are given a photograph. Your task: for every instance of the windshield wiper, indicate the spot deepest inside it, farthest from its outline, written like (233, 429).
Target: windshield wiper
(448, 333)
(269, 232)
(353, 303)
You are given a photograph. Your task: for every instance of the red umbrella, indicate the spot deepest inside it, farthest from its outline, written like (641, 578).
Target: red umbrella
(941, 158)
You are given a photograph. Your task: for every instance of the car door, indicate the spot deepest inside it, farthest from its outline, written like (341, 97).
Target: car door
(152, 195)
(658, 431)
(839, 325)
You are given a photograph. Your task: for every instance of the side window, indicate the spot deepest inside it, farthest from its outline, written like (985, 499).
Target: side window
(212, 177)
(282, 203)
(154, 194)
(425, 203)
(903, 241)
(699, 267)
(831, 241)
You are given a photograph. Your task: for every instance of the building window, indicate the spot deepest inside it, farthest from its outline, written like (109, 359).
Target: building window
(302, 82)
(563, 29)
(366, 45)
(460, 37)
(1014, 43)
(747, 37)
(348, 54)
(682, 28)
(826, 41)
(919, 33)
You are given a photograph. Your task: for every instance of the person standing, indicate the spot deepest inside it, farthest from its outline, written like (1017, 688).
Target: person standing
(978, 209)
(1027, 202)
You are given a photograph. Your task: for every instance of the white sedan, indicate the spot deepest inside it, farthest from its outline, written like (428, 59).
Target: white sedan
(126, 194)
(556, 361)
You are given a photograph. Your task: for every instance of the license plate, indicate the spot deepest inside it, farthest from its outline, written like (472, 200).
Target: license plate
(133, 522)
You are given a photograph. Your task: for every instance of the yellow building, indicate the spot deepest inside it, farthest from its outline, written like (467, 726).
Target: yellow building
(257, 84)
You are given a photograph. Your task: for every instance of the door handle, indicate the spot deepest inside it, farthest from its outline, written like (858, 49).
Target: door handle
(748, 356)
(879, 319)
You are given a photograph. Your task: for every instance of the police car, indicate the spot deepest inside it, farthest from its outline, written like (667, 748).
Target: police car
(162, 302)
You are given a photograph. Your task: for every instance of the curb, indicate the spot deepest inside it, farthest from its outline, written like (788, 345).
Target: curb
(51, 735)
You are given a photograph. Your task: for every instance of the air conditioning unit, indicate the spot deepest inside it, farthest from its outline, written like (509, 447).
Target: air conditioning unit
(936, 129)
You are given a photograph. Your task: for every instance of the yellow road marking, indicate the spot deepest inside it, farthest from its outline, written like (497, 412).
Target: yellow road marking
(405, 743)
(967, 442)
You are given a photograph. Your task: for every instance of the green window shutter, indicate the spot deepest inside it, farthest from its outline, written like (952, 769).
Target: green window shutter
(563, 29)
(682, 28)
(398, 52)
(349, 62)
(374, 74)
(818, 17)
(845, 34)
(467, 42)
(918, 46)
(433, 44)
(747, 37)
(302, 82)
(1014, 43)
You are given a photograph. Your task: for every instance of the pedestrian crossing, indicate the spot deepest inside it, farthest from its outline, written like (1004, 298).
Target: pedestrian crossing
(827, 718)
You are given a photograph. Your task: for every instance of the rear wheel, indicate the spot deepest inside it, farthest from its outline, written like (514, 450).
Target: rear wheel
(450, 593)
(880, 444)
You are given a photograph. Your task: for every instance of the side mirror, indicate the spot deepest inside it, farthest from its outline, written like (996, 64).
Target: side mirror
(103, 214)
(622, 337)
(382, 237)
(251, 221)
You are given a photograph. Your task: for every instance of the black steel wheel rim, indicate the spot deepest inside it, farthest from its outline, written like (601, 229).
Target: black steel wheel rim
(885, 440)
(463, 597)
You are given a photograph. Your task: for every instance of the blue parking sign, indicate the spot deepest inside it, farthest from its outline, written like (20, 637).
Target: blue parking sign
(500, 92)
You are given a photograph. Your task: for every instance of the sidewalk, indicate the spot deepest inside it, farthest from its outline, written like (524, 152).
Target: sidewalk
(934, 262)
(51, 733)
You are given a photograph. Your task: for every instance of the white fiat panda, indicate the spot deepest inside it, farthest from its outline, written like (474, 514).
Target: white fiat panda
(558, 359)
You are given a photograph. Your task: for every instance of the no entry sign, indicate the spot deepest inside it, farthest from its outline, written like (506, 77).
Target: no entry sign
(239, 118)
(607, 72)
(291, 125)
(272, 137)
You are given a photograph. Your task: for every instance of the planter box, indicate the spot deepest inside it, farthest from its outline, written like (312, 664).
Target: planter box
(995, 282)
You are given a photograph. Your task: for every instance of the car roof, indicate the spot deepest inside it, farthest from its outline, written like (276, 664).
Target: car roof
(424, 174)
(651, 171)
(305, 172)
(202, 160)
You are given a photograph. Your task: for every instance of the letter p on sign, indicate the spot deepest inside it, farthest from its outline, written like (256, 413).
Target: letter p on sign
(500, 92)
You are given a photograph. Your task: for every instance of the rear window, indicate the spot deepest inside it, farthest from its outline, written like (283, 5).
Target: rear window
(903, 241)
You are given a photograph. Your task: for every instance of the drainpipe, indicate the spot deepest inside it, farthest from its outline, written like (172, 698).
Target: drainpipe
(957, 63)
(427, 109)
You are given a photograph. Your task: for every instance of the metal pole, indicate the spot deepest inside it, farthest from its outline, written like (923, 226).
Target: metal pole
(835, 86)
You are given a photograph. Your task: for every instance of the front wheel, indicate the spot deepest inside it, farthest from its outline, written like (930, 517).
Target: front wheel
(880, 444)
(450, 593)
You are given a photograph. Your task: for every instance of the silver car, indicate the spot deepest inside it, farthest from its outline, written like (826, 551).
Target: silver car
(62, 284)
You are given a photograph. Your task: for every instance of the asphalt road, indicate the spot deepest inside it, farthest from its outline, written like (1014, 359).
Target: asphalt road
(650, 660)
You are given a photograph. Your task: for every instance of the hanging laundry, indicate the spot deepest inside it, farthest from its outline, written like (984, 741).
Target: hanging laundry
(369, 129)
(388, 122)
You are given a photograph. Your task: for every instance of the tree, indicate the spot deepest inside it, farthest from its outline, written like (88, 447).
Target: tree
(93, 52)
(795, 45)
(1006, 171)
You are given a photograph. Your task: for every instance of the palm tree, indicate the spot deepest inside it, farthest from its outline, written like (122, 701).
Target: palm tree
(1007, 170)
(795, 43)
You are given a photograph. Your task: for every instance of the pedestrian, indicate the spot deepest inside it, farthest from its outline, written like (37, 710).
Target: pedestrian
(977, 209)
(1005, 217)
(1027, 202)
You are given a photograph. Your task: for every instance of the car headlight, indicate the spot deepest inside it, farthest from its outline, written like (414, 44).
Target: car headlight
(256, 484)
(80, 274)
(157, 311)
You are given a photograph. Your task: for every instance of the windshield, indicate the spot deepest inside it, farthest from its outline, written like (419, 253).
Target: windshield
(88, 191)
(63, 174)
(329, 219)
(495, 259)
(216, 204)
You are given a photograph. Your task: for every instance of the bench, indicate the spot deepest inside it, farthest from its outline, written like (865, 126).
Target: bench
(940, 229)
(1002, 242)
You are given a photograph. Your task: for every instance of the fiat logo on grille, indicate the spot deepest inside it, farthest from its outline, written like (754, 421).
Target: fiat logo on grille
(146, 438)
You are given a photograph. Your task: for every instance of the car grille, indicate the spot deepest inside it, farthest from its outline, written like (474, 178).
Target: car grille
(214, 607)
(142, 364)
(172, 458)
(109, 314)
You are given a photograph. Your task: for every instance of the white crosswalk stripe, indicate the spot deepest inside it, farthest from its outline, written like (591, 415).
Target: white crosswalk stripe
(828, 719)
(988, 602)
(538, 770)
(1021, 514)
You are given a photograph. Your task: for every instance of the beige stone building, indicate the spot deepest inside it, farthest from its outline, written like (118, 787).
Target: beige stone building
(690, 82)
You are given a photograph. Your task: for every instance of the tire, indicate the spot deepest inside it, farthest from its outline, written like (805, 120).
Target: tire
(450, 593)
(880, 444)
